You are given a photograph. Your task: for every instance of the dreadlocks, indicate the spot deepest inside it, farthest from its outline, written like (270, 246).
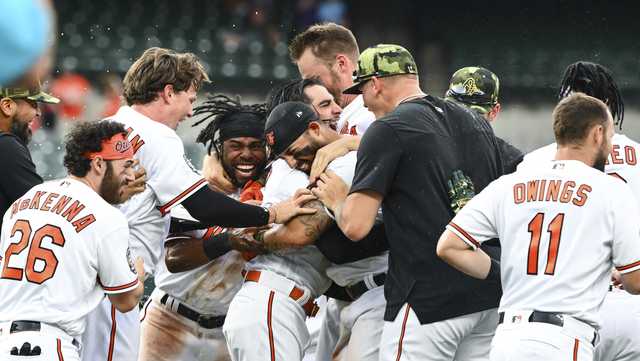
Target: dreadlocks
(291, 91)
(594, 80)
(229, 118)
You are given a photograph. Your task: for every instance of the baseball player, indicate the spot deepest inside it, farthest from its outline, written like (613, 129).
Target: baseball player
(64, 246)
(295, 139)
(478, 89)
(194, 286)
(160, 89)
(620, 333)
(562, 228)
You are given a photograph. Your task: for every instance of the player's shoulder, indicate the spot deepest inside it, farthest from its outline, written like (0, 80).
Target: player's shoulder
(140, 124)
(348, 160)
(542, 154)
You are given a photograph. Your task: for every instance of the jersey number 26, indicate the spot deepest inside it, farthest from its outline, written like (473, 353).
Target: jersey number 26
(555, 232)
(35, 252)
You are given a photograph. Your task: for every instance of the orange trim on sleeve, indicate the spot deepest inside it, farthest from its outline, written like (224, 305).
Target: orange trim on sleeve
(165, 208)
(122, 287)
(624, 268)
(465, 234)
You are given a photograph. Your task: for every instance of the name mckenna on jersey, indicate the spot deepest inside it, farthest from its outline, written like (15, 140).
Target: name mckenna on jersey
(65, 206)
(551, 191)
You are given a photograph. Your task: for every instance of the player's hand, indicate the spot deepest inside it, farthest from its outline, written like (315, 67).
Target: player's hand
(282, 212)
(616, 279)
(215, 175)
(138, 184)
(460, 189)
(329, 152)
(331, 190)
(242, 239)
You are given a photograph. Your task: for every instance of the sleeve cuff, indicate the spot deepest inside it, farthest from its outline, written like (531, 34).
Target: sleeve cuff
(466, 237)
(122, 288)
(629, 268)
(164, 209)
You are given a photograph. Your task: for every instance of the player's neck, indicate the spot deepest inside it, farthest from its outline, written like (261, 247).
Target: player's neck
(152, 111)
(89, 181)
(346, 99)
(575, 153)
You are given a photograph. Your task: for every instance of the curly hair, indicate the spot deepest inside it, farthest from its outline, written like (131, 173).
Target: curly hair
(158, 67)
(220, 109)
(87, 137)
(594, 80)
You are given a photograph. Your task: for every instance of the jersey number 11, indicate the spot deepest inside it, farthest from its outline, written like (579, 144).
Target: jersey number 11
(555, 232)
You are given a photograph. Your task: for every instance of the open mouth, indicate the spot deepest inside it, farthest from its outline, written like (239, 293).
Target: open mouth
(245, 169)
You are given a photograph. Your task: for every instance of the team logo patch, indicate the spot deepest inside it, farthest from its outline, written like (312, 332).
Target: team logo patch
(271, 138)
(516, 319)
(470, 87)
(298, 114)
(122, 146)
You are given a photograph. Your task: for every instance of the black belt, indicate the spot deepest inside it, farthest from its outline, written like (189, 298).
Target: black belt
(548, 317)
(356, 290)
(35, 326)
(202, 320)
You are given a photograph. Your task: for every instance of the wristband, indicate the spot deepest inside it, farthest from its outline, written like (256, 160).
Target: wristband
(494, 271)
(217, 245)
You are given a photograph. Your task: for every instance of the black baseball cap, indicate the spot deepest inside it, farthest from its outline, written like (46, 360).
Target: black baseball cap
(285, 124)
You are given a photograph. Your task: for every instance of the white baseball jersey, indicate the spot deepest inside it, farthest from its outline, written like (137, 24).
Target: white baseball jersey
(563, 225)
(355, 118)
(350, 273)
(209, 288)
(62, 247)
(622, 163)
(305, 266)
(170, 179)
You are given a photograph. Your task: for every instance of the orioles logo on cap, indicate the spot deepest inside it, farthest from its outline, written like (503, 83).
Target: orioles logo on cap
(122, 146)
(271, 138)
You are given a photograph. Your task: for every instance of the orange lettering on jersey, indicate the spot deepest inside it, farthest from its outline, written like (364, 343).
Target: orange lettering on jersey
(136, 142)
(543, 184)
(518, 193)
(14, 207)
(532, 190)
(24, 204)
(62, 202)
(47, 202)
(553, 190)
(73, 210)
(615, 155)
(83, 222)
(567, 191)
(630, 155)
(581, 195)
(35, 202)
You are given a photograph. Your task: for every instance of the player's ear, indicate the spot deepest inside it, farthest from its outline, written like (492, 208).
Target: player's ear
(167, 93)
(99, 165)
(341, 63)
(7, 107)
(314, 128)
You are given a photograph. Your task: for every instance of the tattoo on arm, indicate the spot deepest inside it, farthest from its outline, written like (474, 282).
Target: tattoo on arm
(301, 230)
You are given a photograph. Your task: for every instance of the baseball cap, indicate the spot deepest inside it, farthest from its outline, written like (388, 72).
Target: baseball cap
(35, 94)
(285, 124)
(474, 86)
(379, 61)
(24, 36)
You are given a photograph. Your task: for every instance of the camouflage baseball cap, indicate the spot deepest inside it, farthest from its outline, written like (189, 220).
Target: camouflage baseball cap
(379, 61)
(474, 86)
(35, 94)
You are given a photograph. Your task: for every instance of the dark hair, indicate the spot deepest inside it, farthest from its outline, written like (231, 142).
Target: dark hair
(158, 67)
(574, 117)
(292, 91)
(87, 137)
(220, 109)
(325, 41)
(594, 80)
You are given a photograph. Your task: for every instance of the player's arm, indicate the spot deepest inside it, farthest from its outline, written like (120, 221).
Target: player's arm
(626, 245)
(298, 232)
(339, 249)
(330, 152)
(127, 301)
(453, 250)
(22, 176)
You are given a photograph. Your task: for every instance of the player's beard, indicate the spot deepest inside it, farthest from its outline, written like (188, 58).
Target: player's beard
(601, 160)
(21, 130)
(111, 186)
(231, 172)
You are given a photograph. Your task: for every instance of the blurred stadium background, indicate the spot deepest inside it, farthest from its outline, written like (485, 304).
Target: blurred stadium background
(243, 44)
